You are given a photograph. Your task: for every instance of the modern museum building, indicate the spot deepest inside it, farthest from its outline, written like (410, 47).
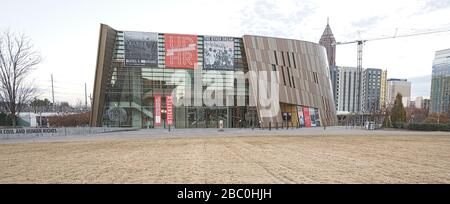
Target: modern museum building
(157, 80)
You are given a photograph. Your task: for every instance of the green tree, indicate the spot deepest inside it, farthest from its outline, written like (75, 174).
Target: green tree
(398, 113)
(40, 105)
(5, 120)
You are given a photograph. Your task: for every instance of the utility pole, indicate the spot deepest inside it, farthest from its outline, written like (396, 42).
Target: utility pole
(85, 96)
(53, 95)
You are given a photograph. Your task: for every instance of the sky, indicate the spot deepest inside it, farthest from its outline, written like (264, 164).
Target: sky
(66, 33)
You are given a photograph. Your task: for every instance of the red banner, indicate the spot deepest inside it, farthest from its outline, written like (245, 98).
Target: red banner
(307, 117)
(169, 112)
(181, 51)
(157, 112)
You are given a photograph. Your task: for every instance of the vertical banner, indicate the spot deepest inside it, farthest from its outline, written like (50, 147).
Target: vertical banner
(301, 119)
(312, 116)
(318, 122)
(307, 118)
(157, 112)
(181, 51)
(169, 112)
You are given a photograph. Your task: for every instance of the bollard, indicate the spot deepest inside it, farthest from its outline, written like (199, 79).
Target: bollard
(169, 127)
(270, 125)
(221, 125)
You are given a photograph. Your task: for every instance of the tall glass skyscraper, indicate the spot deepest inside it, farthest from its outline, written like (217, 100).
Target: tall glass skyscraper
(440, 82)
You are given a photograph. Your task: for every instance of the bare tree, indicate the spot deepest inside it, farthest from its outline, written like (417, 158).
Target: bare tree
(17, 60)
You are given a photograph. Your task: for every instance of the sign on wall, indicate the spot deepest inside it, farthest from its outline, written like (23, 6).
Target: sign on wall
(24, 131)
(301, 119)
(218, 53)
(312, 116)
(169, 112)
(306, 116)
(181, 51)
(317, 117)
(157, 109)
(141, 49)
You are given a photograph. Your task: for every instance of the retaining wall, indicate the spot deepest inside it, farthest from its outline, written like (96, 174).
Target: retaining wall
(16, 133)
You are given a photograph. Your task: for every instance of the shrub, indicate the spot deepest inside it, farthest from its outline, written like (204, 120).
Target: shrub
(429, 127)
(400, 125)
(71, 120)
(5, 120)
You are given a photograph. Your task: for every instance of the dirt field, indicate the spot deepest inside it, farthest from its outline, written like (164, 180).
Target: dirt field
(243, 159)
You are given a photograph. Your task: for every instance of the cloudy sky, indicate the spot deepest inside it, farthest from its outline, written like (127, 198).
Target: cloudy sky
(66, 32)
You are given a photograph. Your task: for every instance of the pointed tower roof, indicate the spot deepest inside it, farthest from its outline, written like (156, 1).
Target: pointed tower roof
(327, 40)
(327, 32)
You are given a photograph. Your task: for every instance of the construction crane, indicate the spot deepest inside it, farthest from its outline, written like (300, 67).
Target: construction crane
(360, 43)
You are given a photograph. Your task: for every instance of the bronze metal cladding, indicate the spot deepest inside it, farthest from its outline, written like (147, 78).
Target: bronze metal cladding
(303, 76)
(104, 60)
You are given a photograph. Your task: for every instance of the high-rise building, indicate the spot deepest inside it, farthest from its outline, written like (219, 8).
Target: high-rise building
(383, 88)
(418, 102)
(151, 80)
(426, 104)
(440, 82)
(348, 87)
(396, 86)
(329, 42)
(422, 102)
(372, 89)
(346, 90)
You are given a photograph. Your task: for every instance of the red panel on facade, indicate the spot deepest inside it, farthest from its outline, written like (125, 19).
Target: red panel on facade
(307, 117)
(157, 112)
(181, 51)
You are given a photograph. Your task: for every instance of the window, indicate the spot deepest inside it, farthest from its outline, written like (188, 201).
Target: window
(289, 59)
(289, 77)
(293, 83)
(293, 59)
(316, 78)
(282, 73)
(274, 68)
(276, 59)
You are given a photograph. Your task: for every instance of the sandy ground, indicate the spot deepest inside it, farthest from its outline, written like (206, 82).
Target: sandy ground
(375, 158)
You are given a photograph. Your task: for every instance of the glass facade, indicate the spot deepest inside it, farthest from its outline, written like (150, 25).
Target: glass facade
(153, 80)
(130, 92)
(440, 82)
(372, 92)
